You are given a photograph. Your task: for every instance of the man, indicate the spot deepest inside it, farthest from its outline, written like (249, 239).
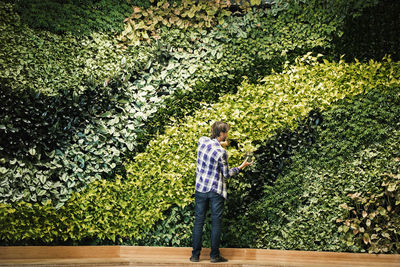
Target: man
(211, 175)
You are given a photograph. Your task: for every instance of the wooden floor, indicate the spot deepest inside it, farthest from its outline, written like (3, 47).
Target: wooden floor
(164, 256)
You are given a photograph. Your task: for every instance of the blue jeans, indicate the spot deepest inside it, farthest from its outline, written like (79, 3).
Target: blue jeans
(202, 201)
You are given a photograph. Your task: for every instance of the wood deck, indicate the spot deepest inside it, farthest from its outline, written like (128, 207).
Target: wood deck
(166, 256)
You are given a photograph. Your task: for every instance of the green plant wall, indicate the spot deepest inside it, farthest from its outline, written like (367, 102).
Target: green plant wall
(89, 104)
(163, 175)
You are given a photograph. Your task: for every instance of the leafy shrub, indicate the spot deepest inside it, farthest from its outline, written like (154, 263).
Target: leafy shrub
(373, 223)
(175, 230)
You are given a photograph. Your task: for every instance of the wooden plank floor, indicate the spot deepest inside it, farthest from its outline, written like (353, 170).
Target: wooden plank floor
(166, 256)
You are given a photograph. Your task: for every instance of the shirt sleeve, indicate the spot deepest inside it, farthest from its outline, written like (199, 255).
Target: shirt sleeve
(224, 168)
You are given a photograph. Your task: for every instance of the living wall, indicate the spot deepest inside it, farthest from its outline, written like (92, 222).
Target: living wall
(91, 100)
(163, 176)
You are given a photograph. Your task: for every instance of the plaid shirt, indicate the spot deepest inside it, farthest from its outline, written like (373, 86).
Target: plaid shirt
(212, 167)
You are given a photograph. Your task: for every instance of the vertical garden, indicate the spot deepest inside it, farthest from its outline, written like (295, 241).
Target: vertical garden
(102, 104)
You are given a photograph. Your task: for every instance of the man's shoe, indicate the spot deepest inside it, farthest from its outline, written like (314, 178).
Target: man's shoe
(218, 259)
(194, 259)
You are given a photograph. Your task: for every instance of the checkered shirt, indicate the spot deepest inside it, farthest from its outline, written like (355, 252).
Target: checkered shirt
(212, 167)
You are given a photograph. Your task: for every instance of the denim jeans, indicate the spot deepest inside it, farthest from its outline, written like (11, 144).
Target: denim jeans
(202, 201)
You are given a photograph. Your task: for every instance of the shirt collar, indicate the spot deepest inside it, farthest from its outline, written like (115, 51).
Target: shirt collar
(215, 140)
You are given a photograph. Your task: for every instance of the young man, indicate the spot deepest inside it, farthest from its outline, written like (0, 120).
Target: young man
(211, 175)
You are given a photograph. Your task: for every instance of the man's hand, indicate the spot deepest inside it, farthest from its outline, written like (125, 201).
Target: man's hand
(245, 163)
(224, 143)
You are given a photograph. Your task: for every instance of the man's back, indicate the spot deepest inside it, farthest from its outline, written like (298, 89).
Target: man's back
(212, 167)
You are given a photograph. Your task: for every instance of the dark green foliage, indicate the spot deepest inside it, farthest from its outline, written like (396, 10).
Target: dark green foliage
(76, 16)
(37, 136)
(174, 231)
(272, 158)
(373, 34)
(45, 122)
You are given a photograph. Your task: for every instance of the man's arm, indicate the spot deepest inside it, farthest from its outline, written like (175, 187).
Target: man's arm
(245, 164)
(223, 165)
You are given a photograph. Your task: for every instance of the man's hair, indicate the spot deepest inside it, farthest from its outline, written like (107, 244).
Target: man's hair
(219, 127)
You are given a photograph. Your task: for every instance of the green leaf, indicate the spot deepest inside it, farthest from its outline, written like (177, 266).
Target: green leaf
(42, 178)
(192, 69)
(255, 2)
(392, 187)
(32, 151)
